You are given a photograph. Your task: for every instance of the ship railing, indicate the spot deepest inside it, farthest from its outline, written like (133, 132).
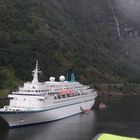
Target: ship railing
(20, 93)
(72, 96)
(13, 108)
(71, 99)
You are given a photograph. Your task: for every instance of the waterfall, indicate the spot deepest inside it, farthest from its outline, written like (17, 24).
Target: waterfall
(115, 18)
(117, 25)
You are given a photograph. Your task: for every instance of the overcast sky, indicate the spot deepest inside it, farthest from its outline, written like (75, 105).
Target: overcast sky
(131, 8)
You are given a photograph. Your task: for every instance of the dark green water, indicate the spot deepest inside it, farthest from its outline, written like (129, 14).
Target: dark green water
(121, 117)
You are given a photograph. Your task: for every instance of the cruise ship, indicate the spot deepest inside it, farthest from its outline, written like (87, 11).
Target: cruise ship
(39, 102)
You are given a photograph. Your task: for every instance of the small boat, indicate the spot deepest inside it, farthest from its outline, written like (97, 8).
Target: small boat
(85, 110)
(102, 106)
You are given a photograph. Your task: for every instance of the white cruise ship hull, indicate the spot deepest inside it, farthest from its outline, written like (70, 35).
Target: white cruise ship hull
(24, 118)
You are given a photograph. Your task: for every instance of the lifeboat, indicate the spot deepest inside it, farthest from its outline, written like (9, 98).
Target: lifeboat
(85, 110)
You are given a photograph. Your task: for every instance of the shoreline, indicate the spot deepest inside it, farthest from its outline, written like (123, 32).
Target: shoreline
(115, 93)
(4, 97)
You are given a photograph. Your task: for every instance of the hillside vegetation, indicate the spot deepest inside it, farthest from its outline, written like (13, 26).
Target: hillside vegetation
(61, 34)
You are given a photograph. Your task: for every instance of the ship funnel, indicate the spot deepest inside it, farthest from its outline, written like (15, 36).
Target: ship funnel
(70, 76)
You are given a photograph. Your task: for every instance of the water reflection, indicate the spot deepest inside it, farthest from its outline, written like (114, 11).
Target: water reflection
(121, 117)
(78, 127)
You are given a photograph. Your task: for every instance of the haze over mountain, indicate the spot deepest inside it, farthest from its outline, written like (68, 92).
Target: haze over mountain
(98, 38)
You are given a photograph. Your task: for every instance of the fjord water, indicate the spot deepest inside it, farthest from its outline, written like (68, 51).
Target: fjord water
(122, 117)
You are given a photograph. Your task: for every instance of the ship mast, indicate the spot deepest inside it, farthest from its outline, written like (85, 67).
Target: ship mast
(35, 74)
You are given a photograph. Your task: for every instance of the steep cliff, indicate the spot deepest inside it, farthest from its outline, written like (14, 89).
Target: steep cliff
(98, 38)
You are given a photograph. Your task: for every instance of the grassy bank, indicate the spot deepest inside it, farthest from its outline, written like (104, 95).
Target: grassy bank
(4, 92)
(117, 89)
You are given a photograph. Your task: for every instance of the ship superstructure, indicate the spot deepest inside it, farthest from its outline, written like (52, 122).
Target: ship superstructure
(38, 102)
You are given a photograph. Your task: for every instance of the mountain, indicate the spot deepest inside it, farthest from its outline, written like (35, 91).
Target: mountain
(98, 39)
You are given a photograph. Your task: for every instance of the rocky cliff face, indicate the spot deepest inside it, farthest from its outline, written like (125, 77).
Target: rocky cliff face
(99, 38)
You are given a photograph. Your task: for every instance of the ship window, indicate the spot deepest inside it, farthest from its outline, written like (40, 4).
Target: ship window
(63, 96)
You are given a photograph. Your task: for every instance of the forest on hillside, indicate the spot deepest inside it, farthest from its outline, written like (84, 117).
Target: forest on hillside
(63, 34)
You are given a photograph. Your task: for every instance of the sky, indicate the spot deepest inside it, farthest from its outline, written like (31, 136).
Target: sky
(130, 8)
